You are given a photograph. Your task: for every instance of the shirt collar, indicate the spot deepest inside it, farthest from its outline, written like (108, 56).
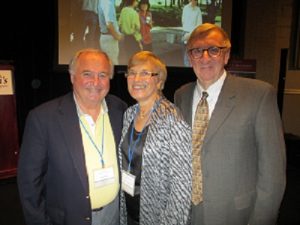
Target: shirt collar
(104, 108)
(214, 88)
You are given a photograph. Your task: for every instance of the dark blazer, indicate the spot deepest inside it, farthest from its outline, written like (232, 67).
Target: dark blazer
(243, 155)
(52, 178)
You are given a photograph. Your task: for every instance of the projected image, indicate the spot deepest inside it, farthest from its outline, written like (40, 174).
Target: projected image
(161, 26)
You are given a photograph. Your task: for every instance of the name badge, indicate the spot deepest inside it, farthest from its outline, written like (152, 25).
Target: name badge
(103, 177)
(128, 182)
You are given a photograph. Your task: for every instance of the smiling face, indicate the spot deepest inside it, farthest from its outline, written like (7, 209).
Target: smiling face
(91, 79)
(209, 69)
(143, 89)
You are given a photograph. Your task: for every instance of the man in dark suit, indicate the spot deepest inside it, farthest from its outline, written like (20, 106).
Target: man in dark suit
(243, 152)
(68, 169)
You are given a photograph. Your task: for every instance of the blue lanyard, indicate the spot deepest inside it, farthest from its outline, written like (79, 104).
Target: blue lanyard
(132, 143)
(94, 144)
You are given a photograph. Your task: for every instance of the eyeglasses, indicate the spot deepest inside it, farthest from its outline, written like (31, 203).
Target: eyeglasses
(144, 74)
(213, 52)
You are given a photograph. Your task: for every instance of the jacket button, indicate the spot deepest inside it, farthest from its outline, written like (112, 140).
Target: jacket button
(87, 218)
(87, 197)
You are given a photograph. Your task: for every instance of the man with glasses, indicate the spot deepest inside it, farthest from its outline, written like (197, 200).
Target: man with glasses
(242, 155)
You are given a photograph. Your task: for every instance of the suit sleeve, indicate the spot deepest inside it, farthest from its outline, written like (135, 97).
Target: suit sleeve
(32, 170)
(271, 161)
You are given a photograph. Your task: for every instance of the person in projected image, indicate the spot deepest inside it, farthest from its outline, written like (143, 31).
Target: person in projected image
(74, 22)
(68, 167)
(130, 26)
(242, 155)
(146, 24)
(91, 23)
(154, 151)
(110, 35)
(191, 18)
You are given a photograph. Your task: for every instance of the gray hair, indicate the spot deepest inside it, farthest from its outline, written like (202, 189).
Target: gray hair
(149, 57)
(205, 29)
(74, 60)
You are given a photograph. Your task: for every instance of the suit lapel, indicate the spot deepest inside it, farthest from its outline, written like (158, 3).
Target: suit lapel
(187, 103)
(68, 120)
(115, 118)
(225, 104)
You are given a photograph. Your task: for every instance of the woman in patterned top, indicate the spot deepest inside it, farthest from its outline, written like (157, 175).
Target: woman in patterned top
(155, 150)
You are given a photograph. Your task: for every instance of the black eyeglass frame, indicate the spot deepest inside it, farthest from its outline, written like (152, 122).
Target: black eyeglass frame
(190, 51)
(147, 74)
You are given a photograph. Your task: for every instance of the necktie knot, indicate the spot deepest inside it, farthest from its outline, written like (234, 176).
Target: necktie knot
(202, 109)
(204, 95)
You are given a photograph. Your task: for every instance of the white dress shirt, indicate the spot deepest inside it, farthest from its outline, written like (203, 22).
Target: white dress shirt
(213, 95)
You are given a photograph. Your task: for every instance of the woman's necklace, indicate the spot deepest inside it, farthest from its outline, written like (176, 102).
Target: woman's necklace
(144, 114)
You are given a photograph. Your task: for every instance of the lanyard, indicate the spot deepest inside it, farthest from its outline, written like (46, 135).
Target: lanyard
(132, 143)
(94, 144)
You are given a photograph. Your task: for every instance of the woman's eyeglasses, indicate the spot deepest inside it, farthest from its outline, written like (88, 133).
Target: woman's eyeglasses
(142, 74)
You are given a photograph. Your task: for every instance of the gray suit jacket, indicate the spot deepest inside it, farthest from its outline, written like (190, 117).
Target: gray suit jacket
(52, 178)
(243, 155)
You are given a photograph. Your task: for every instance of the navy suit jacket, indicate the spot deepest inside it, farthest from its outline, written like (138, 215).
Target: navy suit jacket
(52, 178)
